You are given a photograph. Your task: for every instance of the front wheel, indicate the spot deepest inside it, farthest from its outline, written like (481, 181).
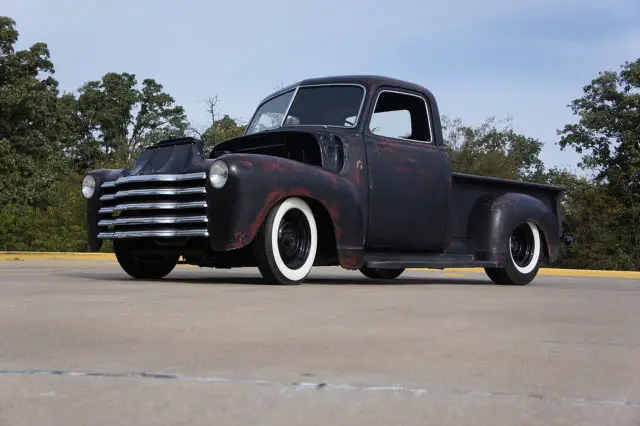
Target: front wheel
(286, 245)
(151, 268)
(525, 255)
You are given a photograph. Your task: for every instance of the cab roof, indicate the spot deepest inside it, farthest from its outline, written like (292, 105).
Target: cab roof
(370, 82)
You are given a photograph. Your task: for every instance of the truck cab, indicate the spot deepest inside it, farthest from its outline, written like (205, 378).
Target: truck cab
(346, 171)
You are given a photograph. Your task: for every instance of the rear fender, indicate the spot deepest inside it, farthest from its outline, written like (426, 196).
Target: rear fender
(494, 219)
(258, 182)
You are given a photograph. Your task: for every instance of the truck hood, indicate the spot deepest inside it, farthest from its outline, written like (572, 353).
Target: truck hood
(173, 156)
(314, 146)
(317, 146)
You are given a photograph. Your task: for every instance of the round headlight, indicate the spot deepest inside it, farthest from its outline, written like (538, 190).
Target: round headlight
(88, 186)
(218, 174)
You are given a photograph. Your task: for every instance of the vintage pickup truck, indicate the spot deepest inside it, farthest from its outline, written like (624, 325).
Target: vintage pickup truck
(348, 170)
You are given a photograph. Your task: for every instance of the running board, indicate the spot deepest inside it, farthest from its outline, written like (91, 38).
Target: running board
(432, 261)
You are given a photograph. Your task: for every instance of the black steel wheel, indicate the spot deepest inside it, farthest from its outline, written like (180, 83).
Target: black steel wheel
(286, 245)
(524, 247)
(294, 238)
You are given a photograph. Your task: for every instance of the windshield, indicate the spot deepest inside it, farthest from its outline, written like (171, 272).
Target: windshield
(335, 105)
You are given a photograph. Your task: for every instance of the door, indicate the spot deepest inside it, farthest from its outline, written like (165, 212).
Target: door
(409, 176)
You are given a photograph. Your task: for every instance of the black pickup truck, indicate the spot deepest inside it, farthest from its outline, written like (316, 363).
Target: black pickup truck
(349, 171)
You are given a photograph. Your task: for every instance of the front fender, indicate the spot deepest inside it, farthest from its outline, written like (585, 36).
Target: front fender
(493, 221)
(258, 182)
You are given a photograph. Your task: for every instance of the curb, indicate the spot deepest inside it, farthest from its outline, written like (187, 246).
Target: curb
(556, 272)
(20, 255)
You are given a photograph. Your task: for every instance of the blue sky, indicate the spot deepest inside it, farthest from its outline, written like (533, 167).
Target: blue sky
(524, 59)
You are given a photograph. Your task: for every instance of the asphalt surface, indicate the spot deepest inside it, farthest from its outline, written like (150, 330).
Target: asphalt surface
(82, 344)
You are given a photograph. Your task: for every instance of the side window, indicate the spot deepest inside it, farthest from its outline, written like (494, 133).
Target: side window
(401, 116)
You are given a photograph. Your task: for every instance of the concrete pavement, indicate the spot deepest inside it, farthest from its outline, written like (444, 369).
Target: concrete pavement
(81, 343)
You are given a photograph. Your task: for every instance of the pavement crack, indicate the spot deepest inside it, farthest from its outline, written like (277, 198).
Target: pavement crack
(328, 387)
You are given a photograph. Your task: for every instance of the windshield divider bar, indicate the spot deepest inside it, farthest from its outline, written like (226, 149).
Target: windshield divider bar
(286, 113)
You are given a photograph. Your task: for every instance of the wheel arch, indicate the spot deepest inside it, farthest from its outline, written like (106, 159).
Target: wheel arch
(499, 217)
(328, 226)
(327, 243)
(321, 212)
(258, 183)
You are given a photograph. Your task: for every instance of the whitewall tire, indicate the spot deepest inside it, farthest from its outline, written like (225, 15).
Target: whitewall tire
(524, 248)
(287, 243)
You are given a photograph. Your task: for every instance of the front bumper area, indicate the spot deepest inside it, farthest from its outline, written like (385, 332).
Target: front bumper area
(154, 206)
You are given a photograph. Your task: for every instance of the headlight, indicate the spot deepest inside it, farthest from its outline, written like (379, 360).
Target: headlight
(218, 174)
(88, 186)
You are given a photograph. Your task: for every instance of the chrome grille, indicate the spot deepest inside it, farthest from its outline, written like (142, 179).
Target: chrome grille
(154, 206)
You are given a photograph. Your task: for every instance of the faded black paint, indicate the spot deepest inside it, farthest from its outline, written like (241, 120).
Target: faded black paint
(408, 195)
(257, 182)
(384, 196)
(486, 210)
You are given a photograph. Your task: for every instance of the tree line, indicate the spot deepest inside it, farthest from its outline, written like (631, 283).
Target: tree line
(49, 139)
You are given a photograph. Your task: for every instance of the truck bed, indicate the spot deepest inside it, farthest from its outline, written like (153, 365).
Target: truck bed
(469, 190)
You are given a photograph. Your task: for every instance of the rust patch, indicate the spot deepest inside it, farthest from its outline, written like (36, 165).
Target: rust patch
(348, 259)
(238, 240)
(389, 148)
(333, 212)
(270, 200)
(333, 180)
(411, 170)
(357, 172)
(370, 86)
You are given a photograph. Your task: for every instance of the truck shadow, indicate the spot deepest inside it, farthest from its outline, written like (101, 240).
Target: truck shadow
(257, 280)
(332, 281)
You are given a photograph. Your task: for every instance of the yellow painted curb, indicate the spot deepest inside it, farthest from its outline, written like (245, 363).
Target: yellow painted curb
(19, 255)
(556, 272)
(589, 273)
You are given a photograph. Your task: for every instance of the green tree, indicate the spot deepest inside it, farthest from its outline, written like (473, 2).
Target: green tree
(608, 134)
(33, 121)
(220, 129)
(592, 216)
(119, 118)
(489, 150)
(40, 205)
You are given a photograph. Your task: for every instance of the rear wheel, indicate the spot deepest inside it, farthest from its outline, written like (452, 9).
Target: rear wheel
(287, 243)
(381, 274)
(525, 255)
(149, 267)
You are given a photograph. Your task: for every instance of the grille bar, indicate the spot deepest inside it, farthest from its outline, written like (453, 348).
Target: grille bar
(159, 233)
(158, 191)
(154, 206)
(154, 178)
(152, 220)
